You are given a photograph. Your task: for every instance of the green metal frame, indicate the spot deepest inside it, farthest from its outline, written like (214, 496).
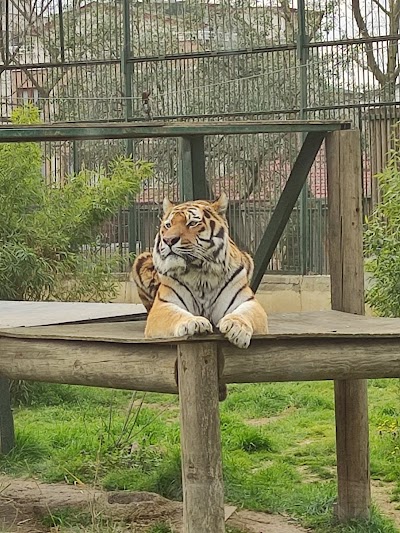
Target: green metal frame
(192, 172)
(138, 130)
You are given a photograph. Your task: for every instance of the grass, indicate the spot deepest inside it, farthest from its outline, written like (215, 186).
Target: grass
(278, 446)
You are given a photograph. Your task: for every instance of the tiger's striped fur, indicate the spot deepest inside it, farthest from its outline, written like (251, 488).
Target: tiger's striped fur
(197, 277)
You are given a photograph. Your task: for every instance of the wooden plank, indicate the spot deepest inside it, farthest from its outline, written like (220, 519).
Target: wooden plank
(134, 130)
(15, 314)
(347, 292)
(285, 206)
(151, 367)
(203, 492)
(311, 325)
(7, 435)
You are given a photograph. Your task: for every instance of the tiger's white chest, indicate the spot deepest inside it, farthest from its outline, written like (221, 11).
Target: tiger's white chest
(209, 294)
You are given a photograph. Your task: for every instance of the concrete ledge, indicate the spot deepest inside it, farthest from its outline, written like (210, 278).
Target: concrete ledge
(277, 293)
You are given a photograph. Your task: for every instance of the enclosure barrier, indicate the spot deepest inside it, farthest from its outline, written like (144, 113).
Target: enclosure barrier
(200, 365)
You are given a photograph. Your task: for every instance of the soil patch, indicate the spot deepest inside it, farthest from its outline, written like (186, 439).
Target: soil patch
(381, 496)
(24, 502)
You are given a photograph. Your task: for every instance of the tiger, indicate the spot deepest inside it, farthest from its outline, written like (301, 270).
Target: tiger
(196, 278)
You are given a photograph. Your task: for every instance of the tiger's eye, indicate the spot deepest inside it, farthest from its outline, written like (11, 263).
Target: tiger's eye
(192, 223)
(167, 224)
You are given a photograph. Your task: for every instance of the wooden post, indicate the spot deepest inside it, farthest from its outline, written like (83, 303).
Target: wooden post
(347, 292)
(7, 436)
(203, 493)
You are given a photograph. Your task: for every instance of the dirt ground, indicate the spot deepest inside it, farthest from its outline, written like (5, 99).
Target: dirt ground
(24, 502)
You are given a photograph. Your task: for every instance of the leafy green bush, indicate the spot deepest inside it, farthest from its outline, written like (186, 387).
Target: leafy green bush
(44, 230)
(382, 241)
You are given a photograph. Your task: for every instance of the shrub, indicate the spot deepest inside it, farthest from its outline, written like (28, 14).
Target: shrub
(45, 230)
(382, 241)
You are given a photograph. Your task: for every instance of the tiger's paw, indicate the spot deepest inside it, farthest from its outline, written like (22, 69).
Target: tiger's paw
(236, 330)
(190, 326)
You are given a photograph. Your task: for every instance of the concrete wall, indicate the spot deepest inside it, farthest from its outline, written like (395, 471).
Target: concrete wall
(277, 293)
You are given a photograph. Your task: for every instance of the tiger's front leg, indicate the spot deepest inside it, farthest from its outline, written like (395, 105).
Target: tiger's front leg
(240, 325)
(167, 319)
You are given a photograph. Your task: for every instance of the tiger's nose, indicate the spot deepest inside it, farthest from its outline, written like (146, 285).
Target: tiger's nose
(170, 240)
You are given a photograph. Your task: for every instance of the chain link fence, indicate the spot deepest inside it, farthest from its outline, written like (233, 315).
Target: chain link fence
(196, 60)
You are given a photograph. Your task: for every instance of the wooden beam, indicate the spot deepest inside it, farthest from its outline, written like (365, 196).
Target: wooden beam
(137, 130)
(7, 436)
(343, 149)
(285, 205)
(203, 492)
(151, 367)
(144, 367)
(311, 360)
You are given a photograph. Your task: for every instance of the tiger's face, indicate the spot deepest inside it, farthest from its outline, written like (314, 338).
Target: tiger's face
(191, 234)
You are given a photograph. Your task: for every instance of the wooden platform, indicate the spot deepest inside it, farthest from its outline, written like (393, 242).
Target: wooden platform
(317, 325)
(17, 314)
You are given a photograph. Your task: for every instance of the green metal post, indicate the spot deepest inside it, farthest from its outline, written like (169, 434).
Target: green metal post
(302, 55)
(127, 70)
(75, 157)
(61, 30)
(7, 436)
(192, 169)
(7, 32)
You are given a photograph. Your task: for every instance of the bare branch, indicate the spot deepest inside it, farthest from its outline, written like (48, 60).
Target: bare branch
(45, 6)
(21, 8)
(371, 61)
(381, 7)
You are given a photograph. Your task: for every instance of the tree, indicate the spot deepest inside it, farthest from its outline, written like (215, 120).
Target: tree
(44, 230)
(381, 59)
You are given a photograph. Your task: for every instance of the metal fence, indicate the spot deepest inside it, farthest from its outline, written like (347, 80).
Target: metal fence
(209, 60)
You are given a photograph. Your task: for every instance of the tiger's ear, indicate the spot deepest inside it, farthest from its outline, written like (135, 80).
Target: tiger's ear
(221, 205)
(167, 205)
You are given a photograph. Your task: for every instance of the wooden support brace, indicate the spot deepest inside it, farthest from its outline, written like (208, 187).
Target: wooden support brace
(343, 151)
(285, 205)
(203, 493)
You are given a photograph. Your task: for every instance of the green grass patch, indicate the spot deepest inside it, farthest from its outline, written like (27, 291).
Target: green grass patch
(66, 518)
(278, 445)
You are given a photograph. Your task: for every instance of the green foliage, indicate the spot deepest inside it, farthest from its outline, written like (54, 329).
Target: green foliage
(44, 230)
(382, 241)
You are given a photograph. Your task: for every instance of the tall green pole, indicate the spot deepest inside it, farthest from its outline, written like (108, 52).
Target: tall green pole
(302, 55)
(126, 68)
